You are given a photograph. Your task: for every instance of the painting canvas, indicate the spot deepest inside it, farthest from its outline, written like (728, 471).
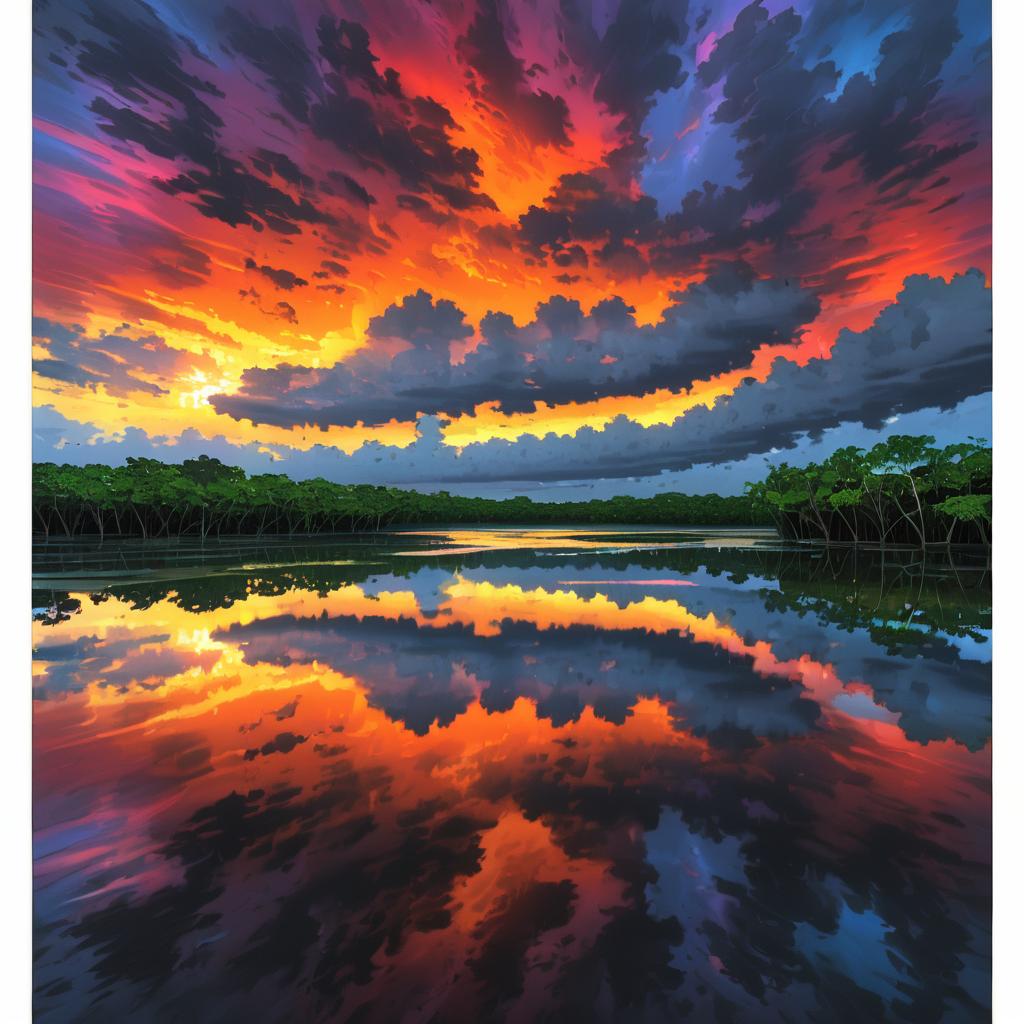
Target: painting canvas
(512, 511)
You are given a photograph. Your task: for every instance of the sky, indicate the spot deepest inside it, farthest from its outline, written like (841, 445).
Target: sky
(566, 249)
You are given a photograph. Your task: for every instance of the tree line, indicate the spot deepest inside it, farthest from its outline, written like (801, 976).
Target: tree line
(205, 498)
(904, 490)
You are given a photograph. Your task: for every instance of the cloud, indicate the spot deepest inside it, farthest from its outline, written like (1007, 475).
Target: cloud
(563, 355)
(634, 60)
(744, 119)
(775, 105)
(931, 349)
(119, 363)
(369, 117)
(279, 53)
(282, 278)
(831, 145)
(120, 242)
(878, 118)
(502, 79)
(582, 208)
(140, 60)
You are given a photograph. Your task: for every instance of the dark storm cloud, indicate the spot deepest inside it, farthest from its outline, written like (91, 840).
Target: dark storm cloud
(931, 348)
(927, 161)
(282, 743)
(229, 193)
(782, 103)
(631, 63)
(345, 45)
(268, 161)
(504, 80)
(369, 117)
(281, 309)
(878, 118)
(154, 92)
(331, 268)
(426, 212)
(281, 277)
(363, 113)
(279, 52)
(112, 360)
(563, 355)
(286, 311)
(583, 209)
(350, 187)
(771, 98)
(783, 88)
(141, 61)
(634, 61)
(788, 100)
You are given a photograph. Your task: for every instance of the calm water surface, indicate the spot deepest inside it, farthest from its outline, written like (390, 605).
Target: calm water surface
(530, 775)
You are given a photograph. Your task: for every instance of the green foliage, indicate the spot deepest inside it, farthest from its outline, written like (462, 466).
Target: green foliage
(203, 497)
(848, 497)
(966, 508)
(903, 491)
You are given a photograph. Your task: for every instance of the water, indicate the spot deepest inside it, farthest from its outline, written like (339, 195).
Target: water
(558, 775)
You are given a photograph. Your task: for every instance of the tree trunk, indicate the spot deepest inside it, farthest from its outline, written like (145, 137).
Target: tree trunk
(920, 511)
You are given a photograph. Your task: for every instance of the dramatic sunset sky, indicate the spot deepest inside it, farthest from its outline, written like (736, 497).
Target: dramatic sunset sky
(570, 248)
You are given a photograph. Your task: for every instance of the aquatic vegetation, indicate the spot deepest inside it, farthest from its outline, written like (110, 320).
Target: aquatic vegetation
(901, 491)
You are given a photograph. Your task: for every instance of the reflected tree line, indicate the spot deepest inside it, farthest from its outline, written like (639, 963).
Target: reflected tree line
(897, 596)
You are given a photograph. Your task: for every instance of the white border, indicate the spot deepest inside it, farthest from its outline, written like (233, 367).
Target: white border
(15, 516)
(1008, 443)
(15, 402)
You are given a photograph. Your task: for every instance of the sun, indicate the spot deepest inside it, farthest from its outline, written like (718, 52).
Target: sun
(197, 389)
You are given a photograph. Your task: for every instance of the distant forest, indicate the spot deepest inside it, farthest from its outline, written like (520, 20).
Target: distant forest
(903, 491)
(206, 498)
